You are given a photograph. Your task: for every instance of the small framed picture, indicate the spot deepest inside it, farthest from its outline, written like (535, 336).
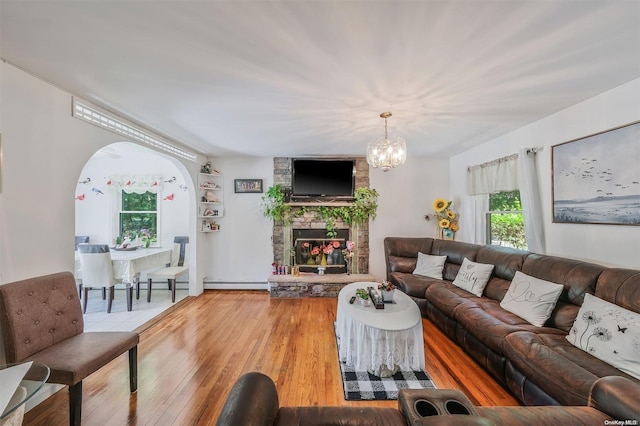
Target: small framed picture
(247, 185)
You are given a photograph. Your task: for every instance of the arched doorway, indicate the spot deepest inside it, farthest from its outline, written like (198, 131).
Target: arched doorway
(107, 206)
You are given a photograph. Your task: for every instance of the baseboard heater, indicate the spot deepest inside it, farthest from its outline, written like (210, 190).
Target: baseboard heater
(235, 285)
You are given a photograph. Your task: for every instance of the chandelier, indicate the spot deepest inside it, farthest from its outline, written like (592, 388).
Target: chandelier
(386, 153)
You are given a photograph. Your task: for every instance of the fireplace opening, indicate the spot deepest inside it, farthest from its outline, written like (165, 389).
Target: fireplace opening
(312, 245)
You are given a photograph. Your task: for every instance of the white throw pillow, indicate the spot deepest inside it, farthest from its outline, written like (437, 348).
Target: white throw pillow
(609, 333)
(430, 266)
(473, 276)
(531, 298)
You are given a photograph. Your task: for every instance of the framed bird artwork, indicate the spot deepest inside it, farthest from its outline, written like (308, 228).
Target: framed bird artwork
(596, 179)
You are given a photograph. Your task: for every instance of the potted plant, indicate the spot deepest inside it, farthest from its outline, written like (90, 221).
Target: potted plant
(387, 289)
(363, 296)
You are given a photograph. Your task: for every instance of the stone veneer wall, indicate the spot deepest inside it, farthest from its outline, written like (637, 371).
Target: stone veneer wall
(282, 232)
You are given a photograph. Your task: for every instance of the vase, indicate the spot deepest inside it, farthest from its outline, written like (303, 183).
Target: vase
(448, 234)
(387, 295)
(323, 261)
(305, 256)
(330, 259)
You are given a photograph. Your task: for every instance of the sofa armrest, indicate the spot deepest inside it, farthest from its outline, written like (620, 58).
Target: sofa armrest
(616, 396)
(253, 400)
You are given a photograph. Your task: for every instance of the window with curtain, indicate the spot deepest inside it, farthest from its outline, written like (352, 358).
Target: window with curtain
(137, 207)
(507, 190)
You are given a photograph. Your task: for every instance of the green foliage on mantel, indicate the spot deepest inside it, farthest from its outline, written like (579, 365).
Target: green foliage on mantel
(363, 207)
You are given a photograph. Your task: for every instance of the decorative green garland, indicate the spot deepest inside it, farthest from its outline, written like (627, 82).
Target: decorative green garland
(364, 206)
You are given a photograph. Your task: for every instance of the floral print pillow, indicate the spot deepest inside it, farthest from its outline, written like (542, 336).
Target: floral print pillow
(609, 333)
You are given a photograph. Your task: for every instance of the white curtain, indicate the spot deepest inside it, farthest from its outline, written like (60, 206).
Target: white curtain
(515, 172)
(530, 198)
(495, 176)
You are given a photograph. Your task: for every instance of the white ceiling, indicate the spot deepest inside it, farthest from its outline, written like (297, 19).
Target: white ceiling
(285, 78)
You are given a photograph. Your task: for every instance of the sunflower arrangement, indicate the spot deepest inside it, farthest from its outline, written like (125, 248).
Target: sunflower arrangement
(447, 218)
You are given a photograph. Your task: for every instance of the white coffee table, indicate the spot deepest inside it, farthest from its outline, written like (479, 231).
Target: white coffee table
(380, 341)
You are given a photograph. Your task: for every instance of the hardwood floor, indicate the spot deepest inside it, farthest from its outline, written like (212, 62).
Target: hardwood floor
(188, 361)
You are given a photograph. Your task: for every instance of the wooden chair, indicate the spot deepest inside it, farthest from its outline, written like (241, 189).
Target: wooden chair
(41, 320)
(177, 268)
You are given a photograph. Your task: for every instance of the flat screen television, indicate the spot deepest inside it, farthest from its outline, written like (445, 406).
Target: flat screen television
(328, 178)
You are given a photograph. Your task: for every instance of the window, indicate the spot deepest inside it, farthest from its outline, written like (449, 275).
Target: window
(505, 221)
(139, 215)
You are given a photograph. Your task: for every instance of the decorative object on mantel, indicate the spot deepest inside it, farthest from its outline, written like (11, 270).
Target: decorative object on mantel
(363, 207)
(348, 255)
(447, 219)
(386, 153)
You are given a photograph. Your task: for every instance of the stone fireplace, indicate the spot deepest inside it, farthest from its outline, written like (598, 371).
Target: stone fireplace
(285, 249)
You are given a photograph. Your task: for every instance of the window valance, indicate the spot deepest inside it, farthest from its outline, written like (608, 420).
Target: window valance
(136, 183)
(494, 176)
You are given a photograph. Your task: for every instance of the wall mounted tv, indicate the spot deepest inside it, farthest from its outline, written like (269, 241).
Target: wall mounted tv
(322, 178)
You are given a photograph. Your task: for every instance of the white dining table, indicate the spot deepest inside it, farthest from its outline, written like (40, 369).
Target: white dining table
(127, 265)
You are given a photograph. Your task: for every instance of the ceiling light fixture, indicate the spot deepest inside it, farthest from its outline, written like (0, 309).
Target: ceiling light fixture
(386, 153)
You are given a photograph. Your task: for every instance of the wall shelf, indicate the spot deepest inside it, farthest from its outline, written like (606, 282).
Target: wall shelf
(210, 182)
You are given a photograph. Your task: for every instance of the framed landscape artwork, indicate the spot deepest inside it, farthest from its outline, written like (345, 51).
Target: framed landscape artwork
(596, 179)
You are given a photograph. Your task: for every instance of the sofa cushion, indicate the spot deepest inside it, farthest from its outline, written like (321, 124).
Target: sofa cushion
(339, 416)
(608, 332)
(490, 324)
(430, 266)
(531, 298)
(473, 276)
(577, 277)
(556, 366)
(544, 415)
(620, 286)
(401, 264)
(456, 252)
(413, 285)
(446, 297)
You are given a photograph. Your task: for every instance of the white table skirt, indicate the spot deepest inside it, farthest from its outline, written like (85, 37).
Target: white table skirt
(371, 338)
(127, 265)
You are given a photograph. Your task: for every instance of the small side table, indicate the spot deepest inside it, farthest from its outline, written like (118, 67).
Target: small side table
(30, 384)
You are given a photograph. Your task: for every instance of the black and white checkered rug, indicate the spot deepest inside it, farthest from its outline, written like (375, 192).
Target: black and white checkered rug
(360, 385)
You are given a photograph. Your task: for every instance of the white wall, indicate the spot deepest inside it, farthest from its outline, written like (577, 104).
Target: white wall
(612, 245)
(241, 252)
(406, 196)
(96, 213)
(44, 152)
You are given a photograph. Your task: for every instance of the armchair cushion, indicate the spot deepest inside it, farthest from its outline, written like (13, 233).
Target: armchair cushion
(77, 357)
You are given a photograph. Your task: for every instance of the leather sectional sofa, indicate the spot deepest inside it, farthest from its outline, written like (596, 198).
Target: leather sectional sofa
(537, 364)
(253, 400)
